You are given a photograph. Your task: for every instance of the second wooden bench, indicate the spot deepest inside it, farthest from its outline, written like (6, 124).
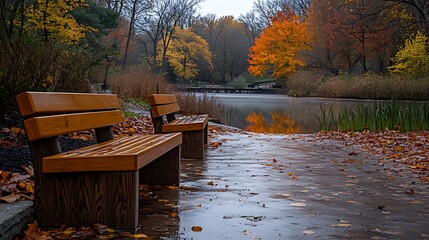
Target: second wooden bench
(194, 128)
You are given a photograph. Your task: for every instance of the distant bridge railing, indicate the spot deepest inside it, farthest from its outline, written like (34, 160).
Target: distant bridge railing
(229, 90)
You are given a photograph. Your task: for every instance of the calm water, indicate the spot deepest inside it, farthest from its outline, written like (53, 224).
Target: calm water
(278, 113)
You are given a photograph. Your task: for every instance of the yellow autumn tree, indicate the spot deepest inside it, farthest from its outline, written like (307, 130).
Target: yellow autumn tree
(188, 51)
(279, 45)
(413, 59)
(54, 19)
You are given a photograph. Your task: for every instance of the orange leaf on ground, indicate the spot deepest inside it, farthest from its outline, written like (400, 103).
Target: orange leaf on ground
(197, 229)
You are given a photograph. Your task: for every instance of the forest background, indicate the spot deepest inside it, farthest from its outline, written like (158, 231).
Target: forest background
(330, 48)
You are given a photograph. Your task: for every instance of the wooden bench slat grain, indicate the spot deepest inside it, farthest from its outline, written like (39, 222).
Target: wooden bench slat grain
(49, 126)
(164, 109)
(91, 158)
(187, 123)
(161, 99)
(46, 102)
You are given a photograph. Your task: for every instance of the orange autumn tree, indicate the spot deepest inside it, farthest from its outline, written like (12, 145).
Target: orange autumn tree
(279, 45)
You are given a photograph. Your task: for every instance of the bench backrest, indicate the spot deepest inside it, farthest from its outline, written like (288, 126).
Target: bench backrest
(49, 114)
(162, 105)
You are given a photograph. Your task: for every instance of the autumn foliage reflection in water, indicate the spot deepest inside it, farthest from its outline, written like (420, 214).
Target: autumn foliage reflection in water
(280, 123)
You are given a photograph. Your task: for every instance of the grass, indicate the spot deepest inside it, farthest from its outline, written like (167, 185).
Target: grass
(131, 114)
(327, 119)
(141, 103)
(389, 115)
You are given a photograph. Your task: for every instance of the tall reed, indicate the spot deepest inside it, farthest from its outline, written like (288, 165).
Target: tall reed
(327, 120)
(392, 115)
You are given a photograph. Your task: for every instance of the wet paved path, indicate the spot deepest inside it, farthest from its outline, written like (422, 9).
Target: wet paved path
(288, 187)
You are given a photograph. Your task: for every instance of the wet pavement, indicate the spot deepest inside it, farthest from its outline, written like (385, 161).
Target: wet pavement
(256, 186)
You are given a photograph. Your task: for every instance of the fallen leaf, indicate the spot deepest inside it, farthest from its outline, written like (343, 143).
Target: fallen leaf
(10, 198)
(33, 231)
(342, 225)
(15, 130)
(69, 231)
(197, 229)
(298, 204)
(140, 235)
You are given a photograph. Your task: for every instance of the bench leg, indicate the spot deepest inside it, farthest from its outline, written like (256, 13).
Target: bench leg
(82, 199)
(163, 171)
(193, 144)
(206, 129)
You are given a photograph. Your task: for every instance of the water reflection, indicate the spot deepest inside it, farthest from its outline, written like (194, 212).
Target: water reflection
(280, 123)
(304, 112)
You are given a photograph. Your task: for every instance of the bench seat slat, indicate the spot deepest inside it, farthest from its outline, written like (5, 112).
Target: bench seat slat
(187, 123)
(99, 157)
(49, 126)
(46, 103)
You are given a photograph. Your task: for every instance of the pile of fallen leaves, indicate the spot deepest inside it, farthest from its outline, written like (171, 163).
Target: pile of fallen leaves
(15, 137)
(131, 126)
(97, 231)
(410, 148)
(134, 125)
(16, 186)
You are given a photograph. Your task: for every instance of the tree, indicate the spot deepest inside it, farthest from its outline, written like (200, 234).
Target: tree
(413, 59)
(55, 20)
(159, 23)
(227, 43)
(421, 12)
(185, 52)
(264, 10)
(278, 46)
(47, 45)
(351, 34)
(135, 8)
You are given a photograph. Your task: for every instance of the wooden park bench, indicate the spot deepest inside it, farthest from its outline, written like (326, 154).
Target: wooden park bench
(98, 183)
(194, 127)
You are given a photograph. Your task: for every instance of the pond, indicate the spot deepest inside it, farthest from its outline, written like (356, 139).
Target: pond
(278, 113)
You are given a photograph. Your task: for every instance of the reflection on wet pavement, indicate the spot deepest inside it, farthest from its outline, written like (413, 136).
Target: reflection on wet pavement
(257, 186)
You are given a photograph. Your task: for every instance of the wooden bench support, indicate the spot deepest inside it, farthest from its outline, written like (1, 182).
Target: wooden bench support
(82, 199)
(193, 145)
(206, 130)
(163, 171)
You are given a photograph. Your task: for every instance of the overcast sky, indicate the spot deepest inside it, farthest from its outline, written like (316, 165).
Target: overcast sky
(226, 7)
